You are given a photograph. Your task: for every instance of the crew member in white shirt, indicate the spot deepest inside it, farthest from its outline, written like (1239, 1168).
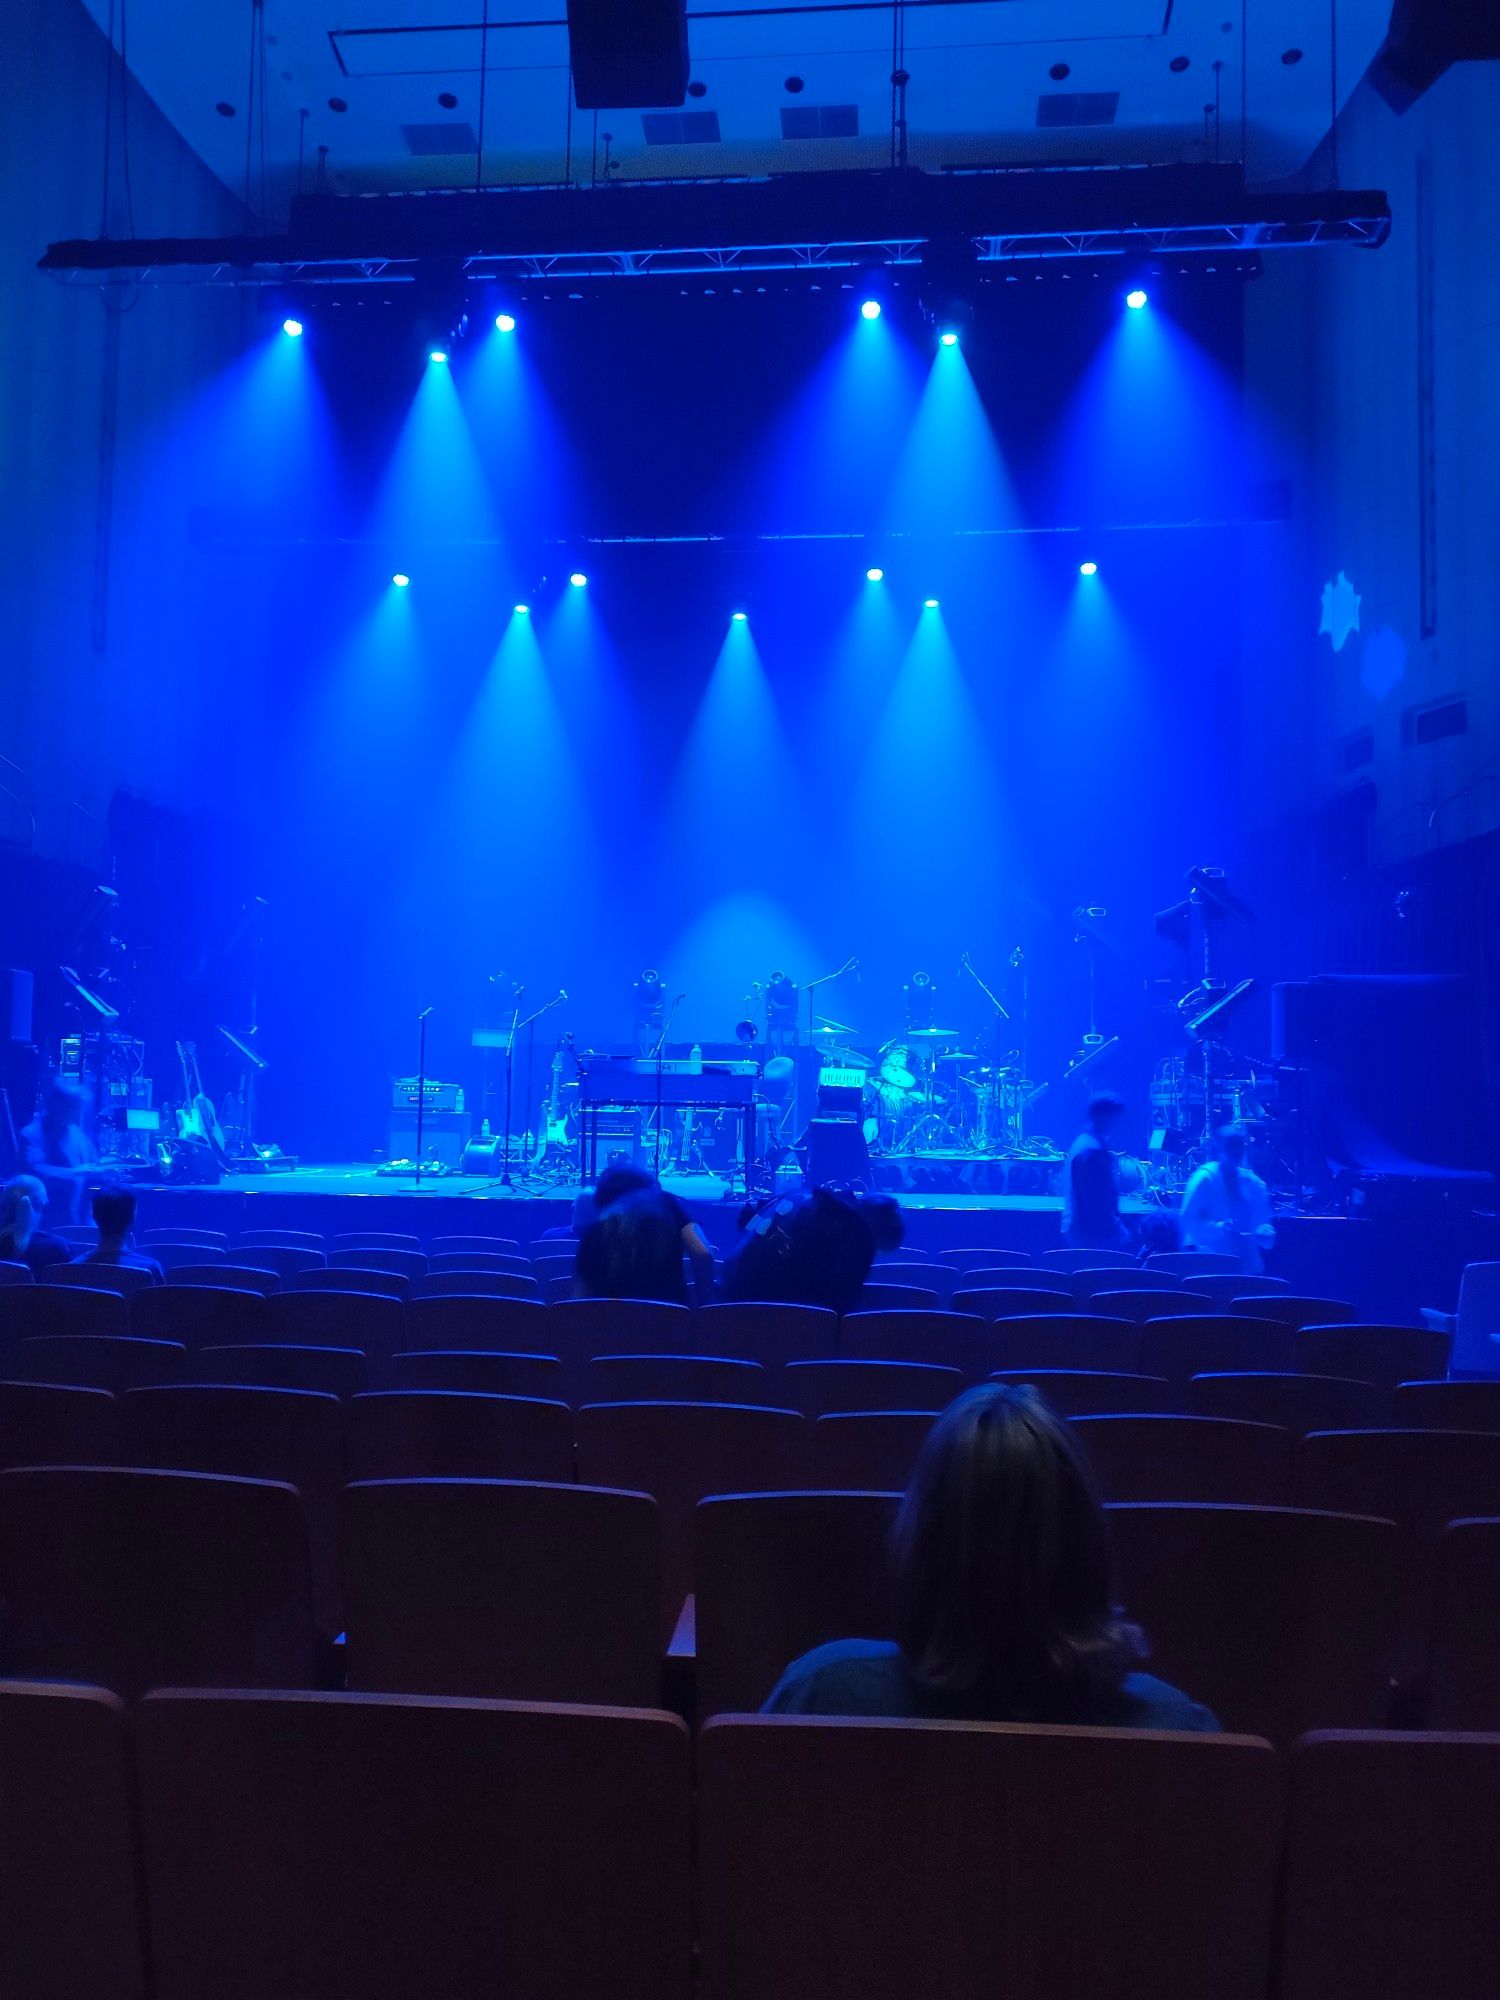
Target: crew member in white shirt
(1225, 1207)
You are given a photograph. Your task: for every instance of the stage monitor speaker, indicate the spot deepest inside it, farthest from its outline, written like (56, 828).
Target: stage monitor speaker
(444, 1135)
(836, 1152)
(628, 53)
(1424, 38)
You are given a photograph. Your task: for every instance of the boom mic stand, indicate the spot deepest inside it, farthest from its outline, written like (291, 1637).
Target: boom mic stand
(510, 1059)
(1001, 1014)
(421, 1084)
(661, 1056)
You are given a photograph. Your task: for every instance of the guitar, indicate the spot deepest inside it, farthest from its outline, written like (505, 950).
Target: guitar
(197, 1120)
(556, 1137)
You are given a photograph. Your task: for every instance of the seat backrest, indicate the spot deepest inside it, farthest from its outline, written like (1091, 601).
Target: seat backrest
(1188, 1458)
(1010, 1302)
(447, 1246)
(1464, 1643)
(946, 1339)
(1180, 1346)
(769, 1333)
(271, 1239)
(1012, 1277)
(28, 1311)
(466, 1319)
(331, 1371)
(676, 1378)
(1067, 1340)
(12, 1273)
(533, 1592)
(67, 1845)
(365, 1320)
(100, 1361)
(1224, 1286)
(1477, 1321)
(1383, 1354)
(982, 1258)
(1086, 1279)
(1420, 1479)
(1139, 1304)
(199, 1315)
(486, 1374)
(1277, 1620)
(682, 1452)
(122, 1278)
(230, 1277)
(1089, 1260)
(1192, 1264)
(384, 1847)
(287, 1260)
(876, 1296)
(52, 1423)
(1299, 1403)
(208, 1239)
(345, 1278)
(818, 1387)
(401, 1262)
(578, 1329)
(373, 1239)
(1085, 1862)
(509, 1262)
(1444, 1406)
(1083, 1392)
(780, 1573)
(1292, 1309)
(450, 1434)
(137, 1579)
(477, 1285)
(1389, 1889)
(866, 1451)
(173, 1255)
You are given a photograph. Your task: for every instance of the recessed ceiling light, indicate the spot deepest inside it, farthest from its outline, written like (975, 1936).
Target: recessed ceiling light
(697, 88)
(793, 84)
(224, 110)
(1178, 64)
(447, 99)
(337, 104)
(1290, 56)
(1059, 71)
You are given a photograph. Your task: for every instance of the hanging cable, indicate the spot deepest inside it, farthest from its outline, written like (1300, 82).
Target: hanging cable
(484, 71)
(1333, 89)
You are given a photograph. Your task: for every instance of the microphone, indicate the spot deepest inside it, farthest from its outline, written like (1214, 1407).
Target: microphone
(562, 992)
(679, 1000)
(424, 1013)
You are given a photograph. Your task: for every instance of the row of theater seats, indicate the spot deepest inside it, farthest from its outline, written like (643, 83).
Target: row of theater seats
(246, 1844)
(1279, 1619)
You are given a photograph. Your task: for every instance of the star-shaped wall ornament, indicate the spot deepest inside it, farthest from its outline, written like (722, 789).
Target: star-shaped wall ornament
(1341, 603)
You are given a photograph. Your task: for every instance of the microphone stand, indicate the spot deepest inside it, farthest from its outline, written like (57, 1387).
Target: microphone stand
(661, 1056)
(510, 1055)
(421, 1084)
(516, 1025)
(1001, 1014)
(850, 964)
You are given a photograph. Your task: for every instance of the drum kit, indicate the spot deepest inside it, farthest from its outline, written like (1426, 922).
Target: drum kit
(925, 1092)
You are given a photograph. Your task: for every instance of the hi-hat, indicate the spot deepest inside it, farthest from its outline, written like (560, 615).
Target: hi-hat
(933, 1034)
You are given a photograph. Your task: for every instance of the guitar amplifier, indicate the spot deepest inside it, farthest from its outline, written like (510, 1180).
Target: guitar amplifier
(444, 1135)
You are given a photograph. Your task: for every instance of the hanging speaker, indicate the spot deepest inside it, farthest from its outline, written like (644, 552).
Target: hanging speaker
(1424, 38)
(628, 53)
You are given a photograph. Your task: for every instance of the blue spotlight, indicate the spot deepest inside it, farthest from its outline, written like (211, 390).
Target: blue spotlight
(292, 328)
(929, 604)
(438, 354)
(522, 610)
(738, 617)
(578, 579)
(874, 575)
(401, 579)
(1088, 569)
(870, 309)
(948, 337)
(505, 322)
(1136, 299)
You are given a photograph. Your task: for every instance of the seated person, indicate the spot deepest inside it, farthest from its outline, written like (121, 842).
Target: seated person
(114, 1216)
(585, 1211)
(634, 1251)
(623, 1179)
(22, 1239)
(57, 1150)
(811, 1251)
(887, 1222)
(1226, 1207)
(1004, 1591)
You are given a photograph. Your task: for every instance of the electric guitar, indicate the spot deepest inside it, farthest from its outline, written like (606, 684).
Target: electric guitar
(556, 1138)
(197, 1120)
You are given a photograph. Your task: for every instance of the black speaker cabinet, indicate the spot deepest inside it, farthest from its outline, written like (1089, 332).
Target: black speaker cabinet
(628, 53)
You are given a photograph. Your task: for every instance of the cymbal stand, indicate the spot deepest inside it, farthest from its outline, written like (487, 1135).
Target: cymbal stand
(1001, 1014)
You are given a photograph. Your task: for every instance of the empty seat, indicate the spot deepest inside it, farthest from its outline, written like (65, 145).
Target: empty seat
(879, 1297)
(84, 1234)
(15, 1274)
(1010, 1302)
(402, 1263)
(926, 1275)
(894, 1859)
(271, 1239)
(867, 1451)
(139, 1579)
(287, 1260)
(379, 1849)
(1082, 1392)
(365, 1320)
(1276, 1619)
(553, 1265)
(1216, 1344)
(1463, 1680)
(1383, 1354)
(330, 1371)
(229, 1277)
(946, 1339)
(501, 1588)
(199, 1315)
(1086, 1279)
(122, 1278)
(1292, 1309)
(100, 1361)
(372, 1239)
(1192, 1264)
(1389, 1880)
(1067, 1340)
(495, 1324)
(817, 1387)
(578, 1329)
(769, 1333)
(981, 1256)
(448, 1434)
(207, 1239)
(27, 1311)
(673, 1378)
(68, 1846)
(780, 1573)
(1139, 1304)
(510, 1262)
(52, 1423)
(1299, 1403)
(172, 1254)
(1089, 1260)
(681, 1452)
(448, 1246)
(1009, 1277)
(1188, 1458)
(484, 1374)
(1223, 1287)
(1419, 1479)
(478, 1285)
(344, 1278)
(1444, 1406)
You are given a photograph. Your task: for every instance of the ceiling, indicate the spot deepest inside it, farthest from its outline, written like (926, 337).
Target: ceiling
(981, 76)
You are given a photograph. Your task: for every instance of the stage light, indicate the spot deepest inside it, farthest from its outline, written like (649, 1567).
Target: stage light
(437, 354)
(578, 579)
(292, 328)
(870, 309)
(874, 575)
(1088, 569)
(738, 617)
(522, 610)
(1136, 299)
(929, 604)
(505, 323)
(948, 337)
(401, 579)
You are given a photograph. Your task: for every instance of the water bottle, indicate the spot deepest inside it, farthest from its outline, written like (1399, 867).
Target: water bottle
(695, 1060)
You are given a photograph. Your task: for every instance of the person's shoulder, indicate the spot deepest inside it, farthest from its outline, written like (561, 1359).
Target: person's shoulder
(1148, 1703)
(844, 1677)
(45, 1249)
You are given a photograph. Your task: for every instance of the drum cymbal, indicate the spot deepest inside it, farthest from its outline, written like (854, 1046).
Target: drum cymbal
(933, 1034)
(958, 1055)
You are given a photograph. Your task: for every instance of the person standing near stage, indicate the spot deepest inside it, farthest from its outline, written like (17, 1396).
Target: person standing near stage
(1091, 1198)
(1226, 1207)
(57, 1150)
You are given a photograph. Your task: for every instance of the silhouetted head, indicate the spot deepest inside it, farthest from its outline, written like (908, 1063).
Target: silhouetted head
(634, 1251)
(618, 1181)
(887, 1222)
(66, 1101)
(1105, 1111)
(114, 1210)
(21, 1203)
(1230, 1142)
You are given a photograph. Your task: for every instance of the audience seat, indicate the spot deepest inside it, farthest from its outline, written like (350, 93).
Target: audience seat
(373, 1239)
(199, 1315)
(1193, 1264)
(780, 1573)
(1207, 1459)
(1181, 1346)
(374, 1324)
(375, 1849)
(1083, 1392)
(1139, 1304)
(121, 1278)
(866, 1451)
(274, 1239)
(1389, 1874)
(945, 1339)
(1444, 1406)
(367, 1279)
(925, 1275)
(680, 1453)
(54, 1423)
(137, 1579)
(767, 1332)
(449, 1246)
(578, 1329)
(505, 1263)
(818, 1388)
(328, 1371)
(401, 1263)
(1223, 1288)
(877, 1296)
(1004, 1302)
(1299, 1403)
(1090, 1260)
(492, 1324)
(15, 1274)
(1383, 1354)
(68, 1852)
(1463, 1679)
(1276, 1619)
(496, 1587)
(83, 1234)
(100, 1361)
(1087, 1279)
(891, 1860)
(228, 1277)
(1067, 1340)
(28, 1312)
(1007, 1277)
(674, 1378)
(174, 1255)
(474, 1371)
(287, 1260)
(1421, 1479)
(207, 1239)
(1294, 1310)
(980, 1258)
(449, 1434)
(479, 1285)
